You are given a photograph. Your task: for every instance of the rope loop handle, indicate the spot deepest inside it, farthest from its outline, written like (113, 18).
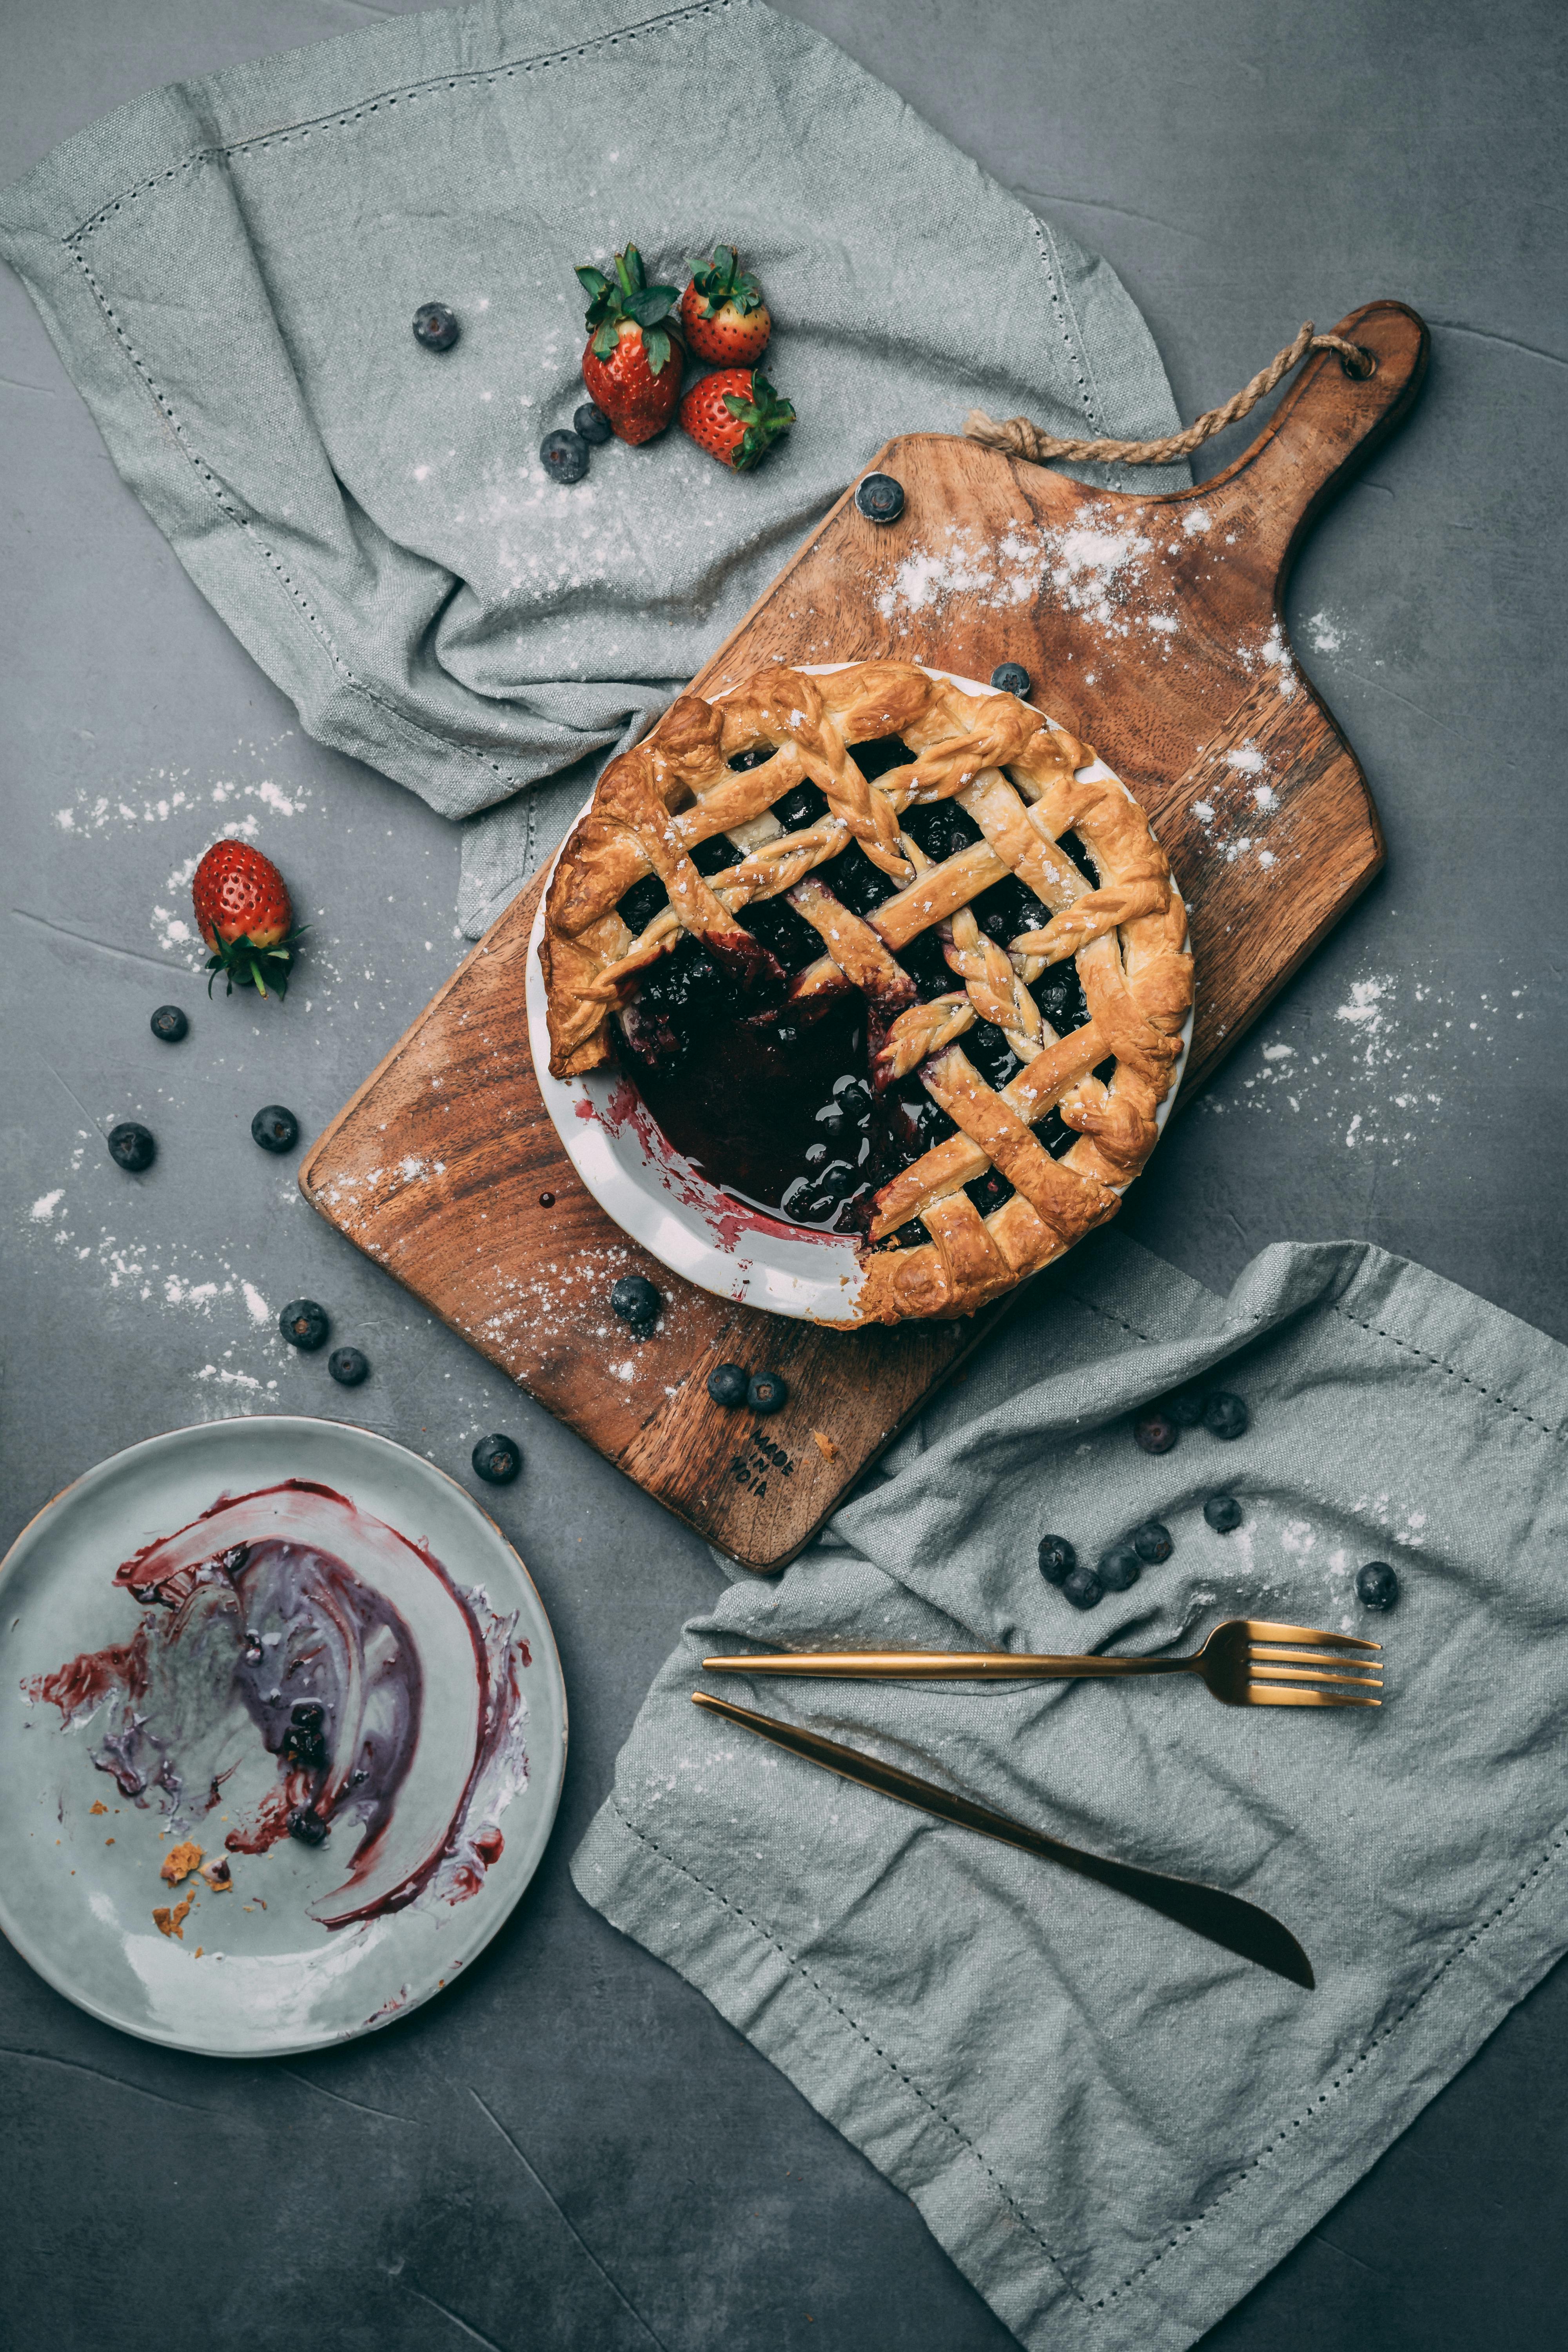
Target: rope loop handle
(1018, 437)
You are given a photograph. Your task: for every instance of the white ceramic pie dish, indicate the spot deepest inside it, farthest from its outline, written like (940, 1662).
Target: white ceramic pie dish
(655, 1195)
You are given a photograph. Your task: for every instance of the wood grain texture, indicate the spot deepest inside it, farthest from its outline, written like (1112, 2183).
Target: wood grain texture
(1150, 625)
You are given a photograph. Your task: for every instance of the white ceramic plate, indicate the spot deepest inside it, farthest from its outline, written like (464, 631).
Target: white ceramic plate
(655, 1195)
(81, 1859)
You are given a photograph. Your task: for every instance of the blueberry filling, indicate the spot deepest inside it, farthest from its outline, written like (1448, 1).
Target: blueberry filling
(771, 1099)
(1080, 858)
(642, 903)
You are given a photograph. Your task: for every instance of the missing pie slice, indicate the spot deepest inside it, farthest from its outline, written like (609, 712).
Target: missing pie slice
(883, 957)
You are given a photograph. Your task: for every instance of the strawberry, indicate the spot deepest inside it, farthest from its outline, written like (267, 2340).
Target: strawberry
(736, 416)
(632, 364)
(244, 914)
(723, 312)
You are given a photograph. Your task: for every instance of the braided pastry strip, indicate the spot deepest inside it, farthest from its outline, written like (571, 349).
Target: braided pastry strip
(1021, 783)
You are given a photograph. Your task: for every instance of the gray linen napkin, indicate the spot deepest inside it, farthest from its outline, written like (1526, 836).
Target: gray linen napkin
(229, 268)
(1113, 2127)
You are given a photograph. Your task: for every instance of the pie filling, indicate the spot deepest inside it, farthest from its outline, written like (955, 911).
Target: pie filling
(771, 1099)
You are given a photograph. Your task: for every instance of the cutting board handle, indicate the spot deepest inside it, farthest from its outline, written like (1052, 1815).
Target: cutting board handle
(1328, 424)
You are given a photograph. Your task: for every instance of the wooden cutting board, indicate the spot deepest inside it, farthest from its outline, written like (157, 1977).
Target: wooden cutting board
(1150, 625)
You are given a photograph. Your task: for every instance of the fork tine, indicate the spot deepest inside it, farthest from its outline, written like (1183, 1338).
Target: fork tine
(1291, 1694)
(1279, 1653)
(1264, 1670)
(1260, 1630)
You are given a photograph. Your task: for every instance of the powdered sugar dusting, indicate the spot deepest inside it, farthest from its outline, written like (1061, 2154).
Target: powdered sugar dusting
(1379, 1073)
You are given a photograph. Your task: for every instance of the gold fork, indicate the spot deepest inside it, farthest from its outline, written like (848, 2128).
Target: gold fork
(1247, 1662)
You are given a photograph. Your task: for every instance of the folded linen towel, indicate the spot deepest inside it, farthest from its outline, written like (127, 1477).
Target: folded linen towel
(229, 268)
(1113, 2127)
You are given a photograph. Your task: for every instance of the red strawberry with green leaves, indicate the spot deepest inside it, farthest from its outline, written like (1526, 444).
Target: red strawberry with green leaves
(723, 312)
(736, 416)
(244, 914)
(632, 364)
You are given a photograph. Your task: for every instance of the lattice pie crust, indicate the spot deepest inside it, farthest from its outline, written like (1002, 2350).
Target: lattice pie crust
(1020, 780)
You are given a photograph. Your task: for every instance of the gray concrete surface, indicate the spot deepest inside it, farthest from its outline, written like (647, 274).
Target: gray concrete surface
(1244, 167)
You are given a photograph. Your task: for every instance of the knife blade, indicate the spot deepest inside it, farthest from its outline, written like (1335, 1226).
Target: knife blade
(1225, 1919)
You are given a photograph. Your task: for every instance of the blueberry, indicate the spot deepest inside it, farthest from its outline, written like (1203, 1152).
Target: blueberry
(169, 1023)
(275, 1128)
(564, 456)
(1011, 678)
(881, 499)
(1120, 1567)
(1223, 1415)
(1155, 1431)
(131, 1147)
(306, 1825)
(766, 1392)
(308, 1714)
(497, 1461)
(434, 327)
(728, 1383)
(1223, 1513)
(304, 1325)
(348, 1367)
(1083, 1589)
(1376, 1585)
(1185, 1408)
(591, 422)
(1058, 1558)
(1151, 1542)
(303, 1744)
(636, 1301)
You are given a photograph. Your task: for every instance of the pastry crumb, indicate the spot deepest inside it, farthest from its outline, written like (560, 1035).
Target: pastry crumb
(97, 1806)
(180, 1861)
(219, 1875)
(171, 1921)
(824, 1445)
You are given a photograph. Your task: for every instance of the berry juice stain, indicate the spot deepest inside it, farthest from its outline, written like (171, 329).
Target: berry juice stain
(256, 1633)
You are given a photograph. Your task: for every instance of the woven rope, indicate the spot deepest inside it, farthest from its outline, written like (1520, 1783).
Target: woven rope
(1020, 438)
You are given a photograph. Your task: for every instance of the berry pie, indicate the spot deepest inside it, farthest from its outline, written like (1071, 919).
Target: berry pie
(884, 957)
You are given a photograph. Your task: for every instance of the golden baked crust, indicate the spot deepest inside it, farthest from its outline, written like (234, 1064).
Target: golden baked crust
(1017, 778)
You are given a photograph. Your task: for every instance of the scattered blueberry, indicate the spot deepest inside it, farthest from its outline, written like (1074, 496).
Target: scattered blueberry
(547, 1200)
(564, 456)
(766, 1392)
(1376, 1585)
(636, 1301)
(1120, 1567)
(131, 1147)
(1223, 1513)
(1155, 1431)
(348, 1367)
(497, 1461)
(304, 1324)
(1223, 1415)
(881, 499)
(728, 1383)
(275, 1128)
(1058, 1558)
(434, 327)
(1011, 678)
(306, 1825)
(1151, 1542)
(1185, 1408)
(591, 422)
(1083, 1589)
(169, 1023)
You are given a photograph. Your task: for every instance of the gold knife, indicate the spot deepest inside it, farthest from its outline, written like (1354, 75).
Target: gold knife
(1225, 1919)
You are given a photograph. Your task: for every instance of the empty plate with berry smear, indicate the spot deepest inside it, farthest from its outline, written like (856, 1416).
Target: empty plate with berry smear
(714, 1169)
(282, 1733)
